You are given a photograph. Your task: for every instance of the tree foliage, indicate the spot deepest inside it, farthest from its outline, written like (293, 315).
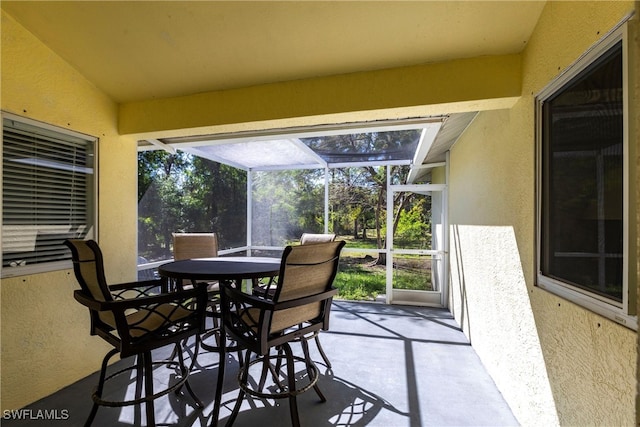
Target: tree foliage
(180, 192)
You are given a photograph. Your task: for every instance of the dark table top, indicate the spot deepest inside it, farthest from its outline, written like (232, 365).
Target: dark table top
(221, 268)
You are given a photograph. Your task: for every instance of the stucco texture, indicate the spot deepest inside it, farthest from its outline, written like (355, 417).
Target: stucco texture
(44, 331)
(554, 362)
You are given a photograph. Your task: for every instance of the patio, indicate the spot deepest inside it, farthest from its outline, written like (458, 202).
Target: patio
(392, 366)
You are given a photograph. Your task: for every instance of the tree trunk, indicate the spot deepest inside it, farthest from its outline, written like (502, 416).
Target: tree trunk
(382, 259)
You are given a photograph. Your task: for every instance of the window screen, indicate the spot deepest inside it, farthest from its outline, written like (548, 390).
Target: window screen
(47, 195)
(582, 180)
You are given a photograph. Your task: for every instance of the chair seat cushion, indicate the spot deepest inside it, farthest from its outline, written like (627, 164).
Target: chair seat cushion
(251, 317)
(281, 320)
(162, 316)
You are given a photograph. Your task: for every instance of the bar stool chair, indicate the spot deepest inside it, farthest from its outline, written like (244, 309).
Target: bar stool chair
(136, 318)
(299, 307)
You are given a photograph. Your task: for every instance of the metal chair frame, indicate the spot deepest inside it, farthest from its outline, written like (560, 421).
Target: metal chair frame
(260, 324)
(136, 318)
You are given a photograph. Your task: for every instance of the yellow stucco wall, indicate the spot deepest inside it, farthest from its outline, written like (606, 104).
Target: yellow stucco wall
(578, 374)
(45, 333)
(432, 89)
(438, 175)
(554, 362)
(634, 125)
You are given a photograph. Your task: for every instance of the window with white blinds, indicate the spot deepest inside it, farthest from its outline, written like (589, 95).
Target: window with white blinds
(47, 194)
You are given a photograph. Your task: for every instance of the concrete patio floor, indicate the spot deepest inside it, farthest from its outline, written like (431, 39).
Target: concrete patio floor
(391, 366)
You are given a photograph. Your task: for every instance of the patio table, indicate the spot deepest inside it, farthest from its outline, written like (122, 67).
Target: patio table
(227, 271)
(223, 269)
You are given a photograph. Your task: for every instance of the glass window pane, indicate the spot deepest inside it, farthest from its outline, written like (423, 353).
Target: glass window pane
(262, 154)
(366, 147)
(582, 178)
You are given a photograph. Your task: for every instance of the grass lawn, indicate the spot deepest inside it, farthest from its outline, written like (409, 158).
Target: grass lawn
(359, 278)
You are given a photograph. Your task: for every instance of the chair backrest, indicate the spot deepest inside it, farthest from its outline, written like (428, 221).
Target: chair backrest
(311, 238)
(135, 317)
(88, 267)
(305, 270)
(194, 245)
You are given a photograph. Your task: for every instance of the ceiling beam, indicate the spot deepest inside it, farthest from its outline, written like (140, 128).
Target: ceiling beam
(472, 84)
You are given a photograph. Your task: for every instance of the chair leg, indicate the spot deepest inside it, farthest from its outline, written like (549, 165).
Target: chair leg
(291, 378)
(279, 360)
(148, 388)
(309, 363)
(266, 367)
(185, 372)
(139, 393)
(321, 350)
(243, 380)
(100, 387)
(220, 382)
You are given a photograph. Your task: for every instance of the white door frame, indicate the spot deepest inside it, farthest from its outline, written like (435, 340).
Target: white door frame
(440, 231)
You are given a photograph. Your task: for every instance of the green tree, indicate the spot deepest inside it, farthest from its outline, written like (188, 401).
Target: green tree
(413, 225)
(159, 194)
(286, 204)
(180, 192)
(365, 186)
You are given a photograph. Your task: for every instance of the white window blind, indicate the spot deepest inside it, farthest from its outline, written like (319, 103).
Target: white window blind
(47, 195)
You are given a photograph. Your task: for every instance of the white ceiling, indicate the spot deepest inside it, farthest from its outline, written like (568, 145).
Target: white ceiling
(139, 50)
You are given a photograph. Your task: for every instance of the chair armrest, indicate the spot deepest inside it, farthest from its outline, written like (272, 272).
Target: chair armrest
(240, 297)
(137, 284)
(141, 302)
(88, 301)
(237, 296)
(137, 289)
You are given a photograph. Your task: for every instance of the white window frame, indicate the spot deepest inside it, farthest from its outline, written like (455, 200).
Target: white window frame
(624, 312)
(90, 231)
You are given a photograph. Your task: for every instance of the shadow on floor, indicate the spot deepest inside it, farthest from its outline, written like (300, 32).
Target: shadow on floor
(391, 366)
